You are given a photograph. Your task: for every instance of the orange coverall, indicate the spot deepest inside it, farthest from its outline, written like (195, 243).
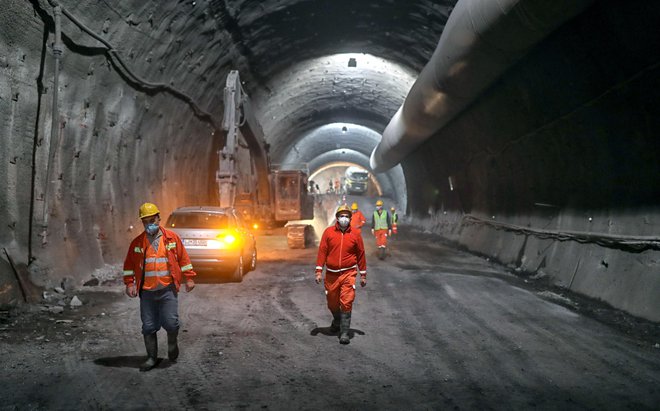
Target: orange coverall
(358, 221)
(342, 253)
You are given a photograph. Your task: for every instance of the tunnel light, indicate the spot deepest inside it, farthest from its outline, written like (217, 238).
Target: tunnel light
(352, 62)
(590, 219)
(451, 184)
(344, 130)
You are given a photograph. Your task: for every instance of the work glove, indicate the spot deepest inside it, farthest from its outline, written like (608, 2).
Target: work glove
(131, 291)
(190, 284)
(319, 277)
(363, 281)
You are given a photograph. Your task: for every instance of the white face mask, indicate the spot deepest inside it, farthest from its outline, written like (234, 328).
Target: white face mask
(343, 221)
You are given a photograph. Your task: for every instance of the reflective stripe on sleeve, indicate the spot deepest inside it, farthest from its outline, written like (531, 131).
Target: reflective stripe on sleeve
(137, 250)
(186, 267)
(128, 273)
(363, 272)
(318, 267)
(170, 246)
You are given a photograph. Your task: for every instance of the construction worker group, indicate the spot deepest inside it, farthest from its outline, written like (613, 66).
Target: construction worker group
(157, 264)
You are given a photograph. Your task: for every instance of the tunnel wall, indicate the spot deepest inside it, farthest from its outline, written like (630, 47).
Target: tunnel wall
(118, 146)
(565, 141)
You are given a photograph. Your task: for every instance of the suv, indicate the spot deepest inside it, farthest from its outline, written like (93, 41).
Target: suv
(216, 239)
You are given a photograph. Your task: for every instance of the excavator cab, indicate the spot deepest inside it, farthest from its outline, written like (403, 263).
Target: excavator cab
(291, 199)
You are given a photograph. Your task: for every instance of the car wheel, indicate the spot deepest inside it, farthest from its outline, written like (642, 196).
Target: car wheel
(252, 265)
(237, 276)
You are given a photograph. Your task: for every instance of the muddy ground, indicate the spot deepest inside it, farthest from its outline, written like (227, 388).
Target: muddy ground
(436, 328)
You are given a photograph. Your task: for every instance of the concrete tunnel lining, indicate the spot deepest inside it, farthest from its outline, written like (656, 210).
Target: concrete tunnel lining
(330, 143)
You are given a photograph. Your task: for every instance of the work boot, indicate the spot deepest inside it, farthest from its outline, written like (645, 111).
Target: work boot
(172, 346)
(151, 344)
(381, 253)
(344, 325)
(336, 319)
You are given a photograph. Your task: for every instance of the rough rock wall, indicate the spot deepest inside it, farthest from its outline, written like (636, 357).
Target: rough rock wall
(117, 146)
(566, 141)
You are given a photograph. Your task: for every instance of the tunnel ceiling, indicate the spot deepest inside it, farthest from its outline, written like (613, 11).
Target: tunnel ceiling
(289, 53)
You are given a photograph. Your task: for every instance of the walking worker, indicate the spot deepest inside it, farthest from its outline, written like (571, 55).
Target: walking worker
(341, 251)
(381, 228)
(154, 269)
(358, 219)
(395, 220)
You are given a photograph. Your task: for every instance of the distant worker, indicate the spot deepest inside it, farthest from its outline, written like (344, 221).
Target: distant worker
(155, 266)
(395, 220)
(381, 228)
(337, 186)
(358, 219)
(341, 251)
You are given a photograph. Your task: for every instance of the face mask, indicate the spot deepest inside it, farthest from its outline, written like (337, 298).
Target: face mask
(379, 208)
(151, 229)
(343, 221)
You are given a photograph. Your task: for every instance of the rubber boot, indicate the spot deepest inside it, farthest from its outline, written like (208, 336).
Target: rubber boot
(381, 253)
(172, 345)
(344, 325)
(336, 321)
(151, 344)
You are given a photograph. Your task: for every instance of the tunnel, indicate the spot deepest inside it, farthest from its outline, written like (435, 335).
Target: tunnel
(521, 132)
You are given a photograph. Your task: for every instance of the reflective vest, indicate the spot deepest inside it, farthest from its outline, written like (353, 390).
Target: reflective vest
(156, 273)
(381, 221)
(395, 218)
(177, 258)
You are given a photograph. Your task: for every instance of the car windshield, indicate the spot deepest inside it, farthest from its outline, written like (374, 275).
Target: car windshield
(359, 176)
(198, 220)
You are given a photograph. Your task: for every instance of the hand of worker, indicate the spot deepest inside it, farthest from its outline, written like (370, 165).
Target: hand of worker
(190, 284)
(319, 277)
(373, 232)
(389, 233)
(363, 281)
(131, 291)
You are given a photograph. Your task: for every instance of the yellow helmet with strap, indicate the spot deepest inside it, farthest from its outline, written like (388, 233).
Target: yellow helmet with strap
(148, 209)
(343, 209)
(354, 206)
(379, 203)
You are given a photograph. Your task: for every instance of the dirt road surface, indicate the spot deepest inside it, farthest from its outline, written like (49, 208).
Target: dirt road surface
(435, 328)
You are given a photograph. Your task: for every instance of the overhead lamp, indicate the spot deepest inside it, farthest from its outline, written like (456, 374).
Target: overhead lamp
(352, 62)
(344, 129)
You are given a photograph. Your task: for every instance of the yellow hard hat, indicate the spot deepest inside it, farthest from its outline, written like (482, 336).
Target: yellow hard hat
(379, 203)
(354, 206)
(393, 209)
(343, 209)
(148, 209)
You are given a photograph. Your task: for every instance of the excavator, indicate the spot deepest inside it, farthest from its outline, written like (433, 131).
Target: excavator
(264, 195)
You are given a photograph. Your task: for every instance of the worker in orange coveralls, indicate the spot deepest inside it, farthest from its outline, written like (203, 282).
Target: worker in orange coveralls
(381, 228)
(358, 219)
(341, 251)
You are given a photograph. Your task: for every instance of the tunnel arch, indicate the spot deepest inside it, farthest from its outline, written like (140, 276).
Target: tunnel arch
(345, 142)
(366, 95)
(337, 164)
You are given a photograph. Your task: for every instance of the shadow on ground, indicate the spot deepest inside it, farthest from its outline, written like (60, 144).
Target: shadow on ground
(129, 361)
